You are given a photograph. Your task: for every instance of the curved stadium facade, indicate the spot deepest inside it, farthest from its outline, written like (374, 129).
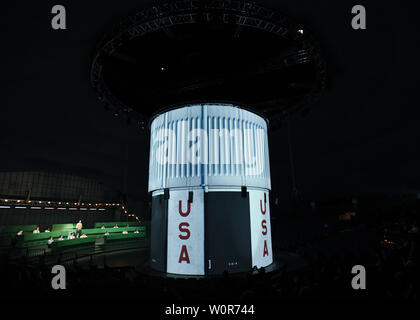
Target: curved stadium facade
(45, 198)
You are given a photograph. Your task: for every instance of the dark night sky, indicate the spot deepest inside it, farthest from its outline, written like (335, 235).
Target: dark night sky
(359, 138)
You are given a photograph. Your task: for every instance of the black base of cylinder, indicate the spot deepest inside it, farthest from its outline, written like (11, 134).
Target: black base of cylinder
(210, 236)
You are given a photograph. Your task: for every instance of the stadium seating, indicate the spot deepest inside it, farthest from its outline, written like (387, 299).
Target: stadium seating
(15, 229)
(119, 224)
(100, 231)
(32, 244)
(73, 243)
(120, 236)
(37, 239)
(43, 236)
(8, 233)
(29, 239)
(64, 227)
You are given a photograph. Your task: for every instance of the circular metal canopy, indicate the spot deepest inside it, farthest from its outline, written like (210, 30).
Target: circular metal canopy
(207, 51)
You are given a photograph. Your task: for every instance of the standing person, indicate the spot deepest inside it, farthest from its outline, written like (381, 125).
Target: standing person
(79, 229)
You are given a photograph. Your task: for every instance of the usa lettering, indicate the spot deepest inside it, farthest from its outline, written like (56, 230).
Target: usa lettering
(184, 232)
(264, 227)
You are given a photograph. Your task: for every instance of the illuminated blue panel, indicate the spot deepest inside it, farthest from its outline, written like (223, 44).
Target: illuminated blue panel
(208, 146)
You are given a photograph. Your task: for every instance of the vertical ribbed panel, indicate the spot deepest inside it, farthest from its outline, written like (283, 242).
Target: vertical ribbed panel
(208, 145)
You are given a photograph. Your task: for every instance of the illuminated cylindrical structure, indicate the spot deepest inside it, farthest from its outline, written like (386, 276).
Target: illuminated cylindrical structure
(209, 176)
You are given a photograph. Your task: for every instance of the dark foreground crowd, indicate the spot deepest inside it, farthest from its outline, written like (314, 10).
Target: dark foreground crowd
(386, 247)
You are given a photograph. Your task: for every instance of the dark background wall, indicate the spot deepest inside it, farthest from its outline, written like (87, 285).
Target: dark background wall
(45, 218)
(54, 186)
